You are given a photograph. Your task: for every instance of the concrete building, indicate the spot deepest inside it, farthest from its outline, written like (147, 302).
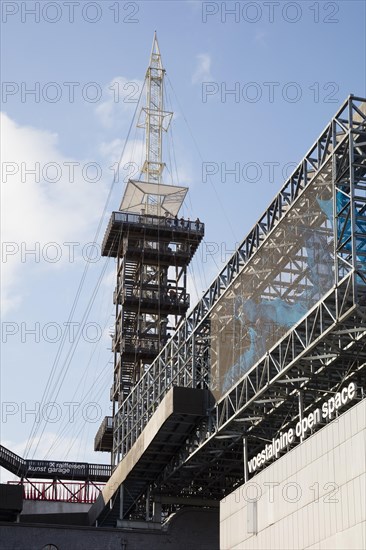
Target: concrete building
(313, 497)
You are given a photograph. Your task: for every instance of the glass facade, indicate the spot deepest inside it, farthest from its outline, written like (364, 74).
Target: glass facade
(288, 275)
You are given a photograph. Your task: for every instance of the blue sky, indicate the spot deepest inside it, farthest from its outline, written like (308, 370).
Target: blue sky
(291, 65)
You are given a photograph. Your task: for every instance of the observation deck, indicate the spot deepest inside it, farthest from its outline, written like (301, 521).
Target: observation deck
(185, 236)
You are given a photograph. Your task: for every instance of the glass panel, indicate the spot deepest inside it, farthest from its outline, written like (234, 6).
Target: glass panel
(290, 273)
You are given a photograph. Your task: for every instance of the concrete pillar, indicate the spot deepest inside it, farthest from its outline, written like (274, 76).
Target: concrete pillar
(120, 503)
(245, 459)
(157, 509)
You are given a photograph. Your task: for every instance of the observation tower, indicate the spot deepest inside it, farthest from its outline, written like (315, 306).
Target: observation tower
(153, 247)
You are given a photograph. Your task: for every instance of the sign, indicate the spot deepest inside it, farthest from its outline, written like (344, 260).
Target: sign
(326, 412)
(57, 469)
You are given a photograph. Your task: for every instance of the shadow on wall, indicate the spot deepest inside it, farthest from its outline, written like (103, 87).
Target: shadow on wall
(196, 529)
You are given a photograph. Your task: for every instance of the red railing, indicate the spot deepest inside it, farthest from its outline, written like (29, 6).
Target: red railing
(70, 491)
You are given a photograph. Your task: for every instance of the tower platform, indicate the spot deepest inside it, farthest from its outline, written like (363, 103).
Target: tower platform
(176, 239)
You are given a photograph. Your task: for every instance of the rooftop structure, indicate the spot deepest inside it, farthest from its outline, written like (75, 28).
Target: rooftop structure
(280, 329)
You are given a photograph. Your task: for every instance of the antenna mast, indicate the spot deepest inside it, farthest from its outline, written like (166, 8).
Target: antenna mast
(149, 195)
(155, 119)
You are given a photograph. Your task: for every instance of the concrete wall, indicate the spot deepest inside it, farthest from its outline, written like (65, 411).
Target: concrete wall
(190, 529)
(50, 507)
(318, 501)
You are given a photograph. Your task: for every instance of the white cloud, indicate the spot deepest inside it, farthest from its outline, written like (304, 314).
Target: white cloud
(261, 38)
(130, 162)
(123, 96)
(41, 211)
(203, 69)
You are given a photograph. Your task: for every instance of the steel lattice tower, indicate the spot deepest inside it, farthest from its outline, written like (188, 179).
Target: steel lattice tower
(156, 120)
(152, 248)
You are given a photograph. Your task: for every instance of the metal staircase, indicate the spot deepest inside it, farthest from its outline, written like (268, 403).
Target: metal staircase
(12, 462)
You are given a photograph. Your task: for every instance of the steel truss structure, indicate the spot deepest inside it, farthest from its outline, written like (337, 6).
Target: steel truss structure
(154, 119)
(85, 492)
(153, 249)
(310, 360)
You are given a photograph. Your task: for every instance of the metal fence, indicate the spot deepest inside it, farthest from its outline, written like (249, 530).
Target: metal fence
(77, 492)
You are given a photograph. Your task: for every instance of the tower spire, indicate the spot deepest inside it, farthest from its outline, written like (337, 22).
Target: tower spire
(149, 195)
(153, 117)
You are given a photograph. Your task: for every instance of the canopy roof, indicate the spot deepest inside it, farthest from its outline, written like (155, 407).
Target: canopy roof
(152, 198)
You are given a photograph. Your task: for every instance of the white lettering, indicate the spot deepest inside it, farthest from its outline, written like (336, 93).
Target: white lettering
(327, 411)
